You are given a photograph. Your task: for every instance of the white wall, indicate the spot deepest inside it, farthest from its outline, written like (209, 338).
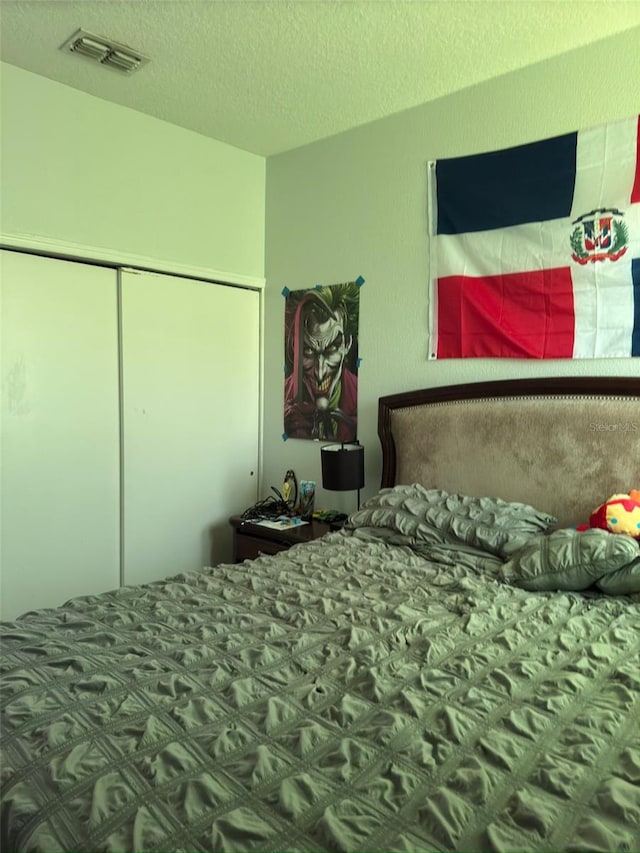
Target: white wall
(82, 177)
(79, 171)
(355, 204)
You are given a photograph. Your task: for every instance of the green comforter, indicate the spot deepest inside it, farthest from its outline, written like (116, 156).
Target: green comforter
(378, 689)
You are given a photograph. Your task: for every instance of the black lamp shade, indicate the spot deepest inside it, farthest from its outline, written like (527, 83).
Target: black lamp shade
(342, 467)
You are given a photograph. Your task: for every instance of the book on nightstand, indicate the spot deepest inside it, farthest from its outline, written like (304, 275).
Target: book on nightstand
(283, 522)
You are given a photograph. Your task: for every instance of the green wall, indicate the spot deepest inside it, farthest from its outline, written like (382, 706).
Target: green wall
(80, 172)
(355, 204)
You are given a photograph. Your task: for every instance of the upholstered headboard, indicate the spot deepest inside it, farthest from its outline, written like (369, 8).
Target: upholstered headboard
(563, 445)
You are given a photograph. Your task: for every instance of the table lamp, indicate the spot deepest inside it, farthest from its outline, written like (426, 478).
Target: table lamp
(343, 467)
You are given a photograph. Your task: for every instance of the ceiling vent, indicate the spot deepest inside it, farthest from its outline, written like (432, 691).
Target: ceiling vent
(109, 53)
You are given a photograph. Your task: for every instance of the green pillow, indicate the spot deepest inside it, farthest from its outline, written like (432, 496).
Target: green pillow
(622, 582)
(569, 559)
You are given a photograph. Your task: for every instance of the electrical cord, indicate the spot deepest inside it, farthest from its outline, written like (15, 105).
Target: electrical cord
(284, 502)
(270, 507)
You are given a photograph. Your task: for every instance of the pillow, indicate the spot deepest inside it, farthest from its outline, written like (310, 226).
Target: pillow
(622, 582)
(494, 525)
(569, 559)
(436, 517)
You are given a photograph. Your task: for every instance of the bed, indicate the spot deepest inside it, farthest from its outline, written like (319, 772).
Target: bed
(439, 675)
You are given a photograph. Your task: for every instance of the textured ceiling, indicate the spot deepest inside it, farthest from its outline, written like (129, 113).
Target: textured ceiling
(272, 75)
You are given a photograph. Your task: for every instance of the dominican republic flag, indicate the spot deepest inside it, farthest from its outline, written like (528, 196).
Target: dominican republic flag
(535, 250)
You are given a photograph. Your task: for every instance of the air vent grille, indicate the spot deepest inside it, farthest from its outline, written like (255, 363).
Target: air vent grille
(109, 53)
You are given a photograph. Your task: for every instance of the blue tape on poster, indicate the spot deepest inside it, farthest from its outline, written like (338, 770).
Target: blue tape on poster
(318, 287)
(284, 436)
(358, 362)
(359, 281)
(285, 292)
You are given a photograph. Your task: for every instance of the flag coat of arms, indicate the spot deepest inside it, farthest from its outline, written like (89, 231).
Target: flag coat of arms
(535, 250)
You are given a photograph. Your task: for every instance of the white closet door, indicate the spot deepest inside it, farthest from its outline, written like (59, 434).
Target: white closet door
(190, 381)
(60, 432)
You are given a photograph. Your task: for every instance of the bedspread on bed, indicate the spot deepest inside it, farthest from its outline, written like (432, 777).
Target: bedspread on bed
(347, 694)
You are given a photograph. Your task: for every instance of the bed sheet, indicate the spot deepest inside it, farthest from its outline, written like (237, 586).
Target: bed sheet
(353, 693)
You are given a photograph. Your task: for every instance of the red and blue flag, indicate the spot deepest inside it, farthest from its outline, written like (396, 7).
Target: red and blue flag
(535, 250)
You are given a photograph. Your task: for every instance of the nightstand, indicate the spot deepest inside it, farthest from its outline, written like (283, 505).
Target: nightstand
(250, 539)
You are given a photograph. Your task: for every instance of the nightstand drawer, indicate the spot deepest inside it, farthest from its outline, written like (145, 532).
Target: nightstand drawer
(252, 539)
(250, 547)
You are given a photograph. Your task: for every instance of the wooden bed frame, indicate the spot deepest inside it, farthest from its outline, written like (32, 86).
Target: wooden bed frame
(562, 444)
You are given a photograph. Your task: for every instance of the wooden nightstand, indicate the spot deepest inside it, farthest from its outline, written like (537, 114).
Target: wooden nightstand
(250, 540)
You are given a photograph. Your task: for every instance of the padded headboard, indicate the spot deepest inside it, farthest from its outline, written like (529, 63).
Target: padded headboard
(563, 445)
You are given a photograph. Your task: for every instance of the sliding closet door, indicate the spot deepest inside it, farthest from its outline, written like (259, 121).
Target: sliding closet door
(60, 431)
(190, 381)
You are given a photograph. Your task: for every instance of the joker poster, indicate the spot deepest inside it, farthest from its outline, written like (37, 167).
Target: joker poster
(321, 362)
